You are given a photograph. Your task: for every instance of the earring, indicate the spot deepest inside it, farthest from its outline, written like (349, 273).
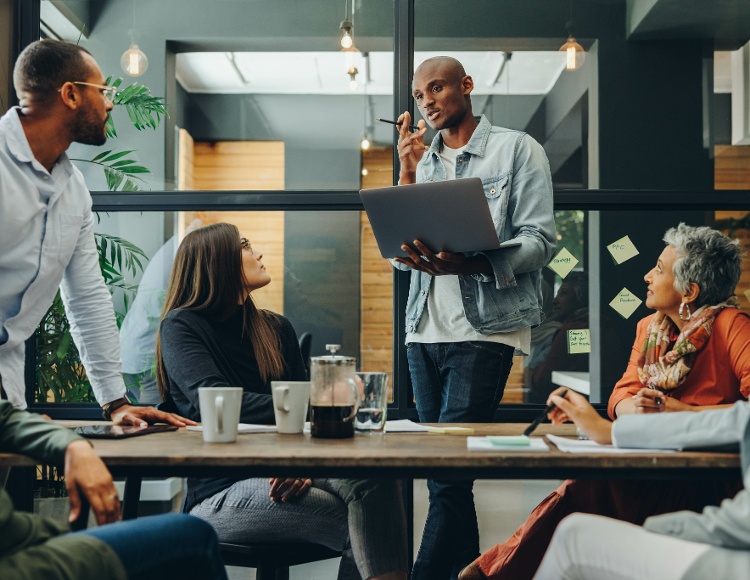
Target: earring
(684, 306)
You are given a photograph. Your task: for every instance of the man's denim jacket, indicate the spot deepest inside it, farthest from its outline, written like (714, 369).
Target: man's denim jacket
(518, 185)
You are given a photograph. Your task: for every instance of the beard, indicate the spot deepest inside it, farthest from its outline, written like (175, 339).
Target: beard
(88, 129)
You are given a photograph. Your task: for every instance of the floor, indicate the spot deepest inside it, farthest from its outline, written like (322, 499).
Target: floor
(502, 506)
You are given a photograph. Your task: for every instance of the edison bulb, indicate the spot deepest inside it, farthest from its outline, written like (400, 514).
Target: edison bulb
(134, 61)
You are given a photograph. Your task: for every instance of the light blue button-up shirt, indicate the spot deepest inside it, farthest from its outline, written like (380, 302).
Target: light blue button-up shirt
(46, 243)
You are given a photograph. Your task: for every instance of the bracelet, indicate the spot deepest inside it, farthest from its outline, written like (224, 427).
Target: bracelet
(112, 406)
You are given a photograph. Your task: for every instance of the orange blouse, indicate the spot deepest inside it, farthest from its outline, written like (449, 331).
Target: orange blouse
(720, 373)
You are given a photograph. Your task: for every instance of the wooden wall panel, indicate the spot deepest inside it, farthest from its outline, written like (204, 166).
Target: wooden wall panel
(732, 171)
(376, 273)
(243, 165)
(238, 165)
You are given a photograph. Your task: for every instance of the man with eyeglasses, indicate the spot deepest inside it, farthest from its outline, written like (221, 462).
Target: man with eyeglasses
(46, 224)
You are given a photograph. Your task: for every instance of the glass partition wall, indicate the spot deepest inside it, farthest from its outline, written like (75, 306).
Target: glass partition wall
(267, 116)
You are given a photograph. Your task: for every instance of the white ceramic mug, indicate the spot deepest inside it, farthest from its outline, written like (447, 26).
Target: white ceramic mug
(220, 413)
(290, 400)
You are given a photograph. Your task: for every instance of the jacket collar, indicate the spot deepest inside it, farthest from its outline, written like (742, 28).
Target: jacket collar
(476, 145)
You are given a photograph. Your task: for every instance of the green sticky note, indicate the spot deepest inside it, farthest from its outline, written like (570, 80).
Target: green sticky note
(625, 303)
(579, 340)
(509, 440)
(622, 250)
(562, 263)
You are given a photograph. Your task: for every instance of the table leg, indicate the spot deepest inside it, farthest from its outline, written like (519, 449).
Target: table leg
(131, 497)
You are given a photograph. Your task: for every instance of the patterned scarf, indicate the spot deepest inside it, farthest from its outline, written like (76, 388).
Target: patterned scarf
(665, 362)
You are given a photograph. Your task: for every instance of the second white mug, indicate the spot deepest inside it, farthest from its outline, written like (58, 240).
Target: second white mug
(290, 400)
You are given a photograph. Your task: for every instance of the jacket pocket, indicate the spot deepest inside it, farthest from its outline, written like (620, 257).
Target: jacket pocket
(496, 186)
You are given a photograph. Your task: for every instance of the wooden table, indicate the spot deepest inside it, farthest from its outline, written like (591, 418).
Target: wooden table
(395, 455)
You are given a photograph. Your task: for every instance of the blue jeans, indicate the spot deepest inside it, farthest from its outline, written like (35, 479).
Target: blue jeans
(167, 546)
(460, 382)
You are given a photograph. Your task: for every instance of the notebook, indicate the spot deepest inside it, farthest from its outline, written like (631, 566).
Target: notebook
(450, 216)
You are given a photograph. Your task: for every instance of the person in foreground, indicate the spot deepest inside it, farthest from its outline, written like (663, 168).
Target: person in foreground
(212, 335)
(46, 224)
(682, 545)
(172, 546)
(468, 313)
(693, 354)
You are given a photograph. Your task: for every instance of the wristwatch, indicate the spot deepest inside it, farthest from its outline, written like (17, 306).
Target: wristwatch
(112, 406)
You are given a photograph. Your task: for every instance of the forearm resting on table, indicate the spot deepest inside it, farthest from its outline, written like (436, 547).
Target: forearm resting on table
(671, 405)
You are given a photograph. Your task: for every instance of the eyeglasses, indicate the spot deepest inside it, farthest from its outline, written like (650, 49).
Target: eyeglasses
(107, 92)
(245, 244)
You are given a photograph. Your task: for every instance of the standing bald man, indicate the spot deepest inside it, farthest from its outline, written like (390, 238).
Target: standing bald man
(468, 313)
(46, 224)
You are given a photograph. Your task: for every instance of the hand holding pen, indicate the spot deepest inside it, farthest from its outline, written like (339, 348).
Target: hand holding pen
(650, 400)
(543, 415)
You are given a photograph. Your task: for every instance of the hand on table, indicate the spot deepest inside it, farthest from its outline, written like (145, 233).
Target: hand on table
(574, 407)
(142, 416)
(86, 473)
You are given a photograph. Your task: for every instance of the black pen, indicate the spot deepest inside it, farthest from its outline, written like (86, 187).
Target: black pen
(411, 127)
(542, 416)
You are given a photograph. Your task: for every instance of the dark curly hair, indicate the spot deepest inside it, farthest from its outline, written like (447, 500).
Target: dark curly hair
(45, 65)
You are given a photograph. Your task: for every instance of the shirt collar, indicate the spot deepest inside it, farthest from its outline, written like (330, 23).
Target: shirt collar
(476, 145)
(18, 144)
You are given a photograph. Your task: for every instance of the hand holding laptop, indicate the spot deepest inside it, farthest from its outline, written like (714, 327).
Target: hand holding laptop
(425, 260)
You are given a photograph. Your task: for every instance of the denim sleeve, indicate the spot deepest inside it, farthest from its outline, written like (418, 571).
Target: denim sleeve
(530, 214)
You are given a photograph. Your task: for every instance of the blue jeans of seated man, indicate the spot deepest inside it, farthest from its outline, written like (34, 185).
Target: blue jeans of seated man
(169, 546)
(460, 382)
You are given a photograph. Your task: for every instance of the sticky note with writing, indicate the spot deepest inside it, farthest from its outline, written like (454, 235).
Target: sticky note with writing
(562, 263)
(625, 303)
(622, 250)
(579, 340)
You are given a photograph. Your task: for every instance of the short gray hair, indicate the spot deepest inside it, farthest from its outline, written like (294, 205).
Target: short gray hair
(708, 258)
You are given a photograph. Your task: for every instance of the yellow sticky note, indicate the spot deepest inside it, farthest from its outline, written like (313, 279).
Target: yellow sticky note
(563, 263)
(625, 303)
(747, 295)
(579, 340)
(451, 430)
(622, 250)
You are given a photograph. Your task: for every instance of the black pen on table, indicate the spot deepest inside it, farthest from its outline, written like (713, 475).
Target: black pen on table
(411, 127)
(542, 416)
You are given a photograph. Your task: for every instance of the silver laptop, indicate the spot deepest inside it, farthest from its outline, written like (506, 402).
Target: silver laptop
(450, 216)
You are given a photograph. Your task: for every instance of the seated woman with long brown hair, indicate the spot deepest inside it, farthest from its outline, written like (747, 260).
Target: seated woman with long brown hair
(212, 335)
(692, 354)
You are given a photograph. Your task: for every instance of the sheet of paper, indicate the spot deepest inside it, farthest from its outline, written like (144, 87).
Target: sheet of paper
(622, 250)
(243, 428)
(625, 303)
(404, 426)
(579, 341)
(562, 263)
(485, 444)
(588, 446)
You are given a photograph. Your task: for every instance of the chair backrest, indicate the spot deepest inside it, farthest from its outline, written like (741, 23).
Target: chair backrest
(305, 342)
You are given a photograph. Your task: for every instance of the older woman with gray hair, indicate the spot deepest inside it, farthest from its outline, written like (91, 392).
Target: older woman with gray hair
(692, 354)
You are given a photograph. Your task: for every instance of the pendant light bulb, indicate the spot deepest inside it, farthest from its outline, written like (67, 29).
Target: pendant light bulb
(346, 39)
(364, 145)
(352, 72)
(134, 61)
(574, 54)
